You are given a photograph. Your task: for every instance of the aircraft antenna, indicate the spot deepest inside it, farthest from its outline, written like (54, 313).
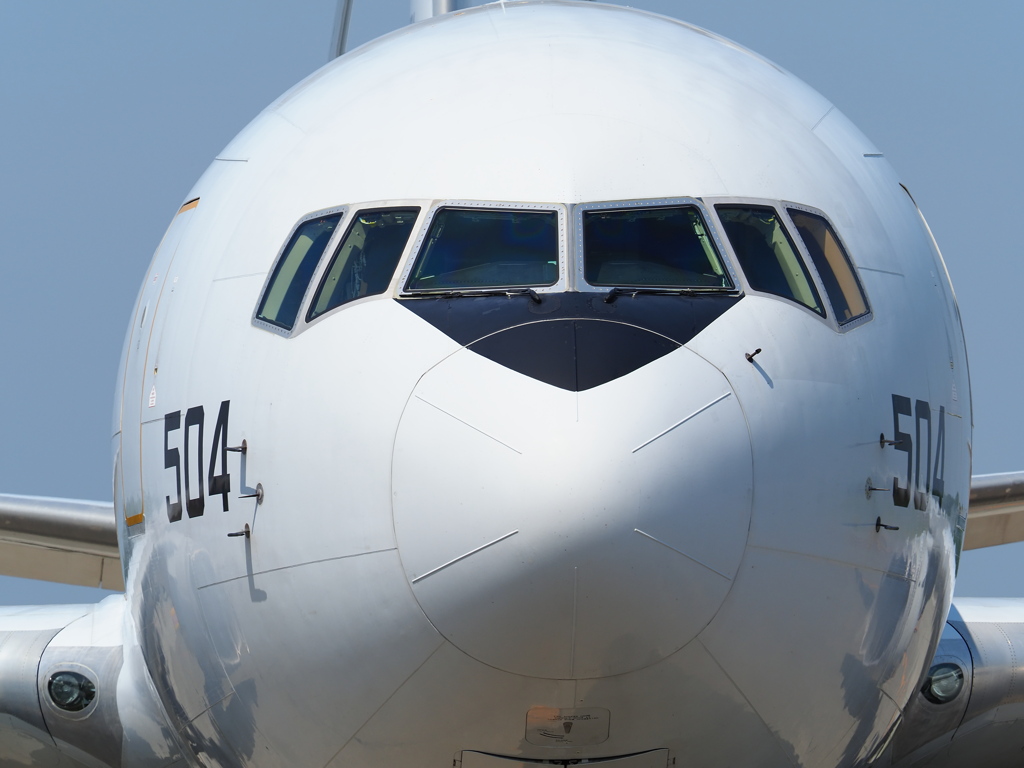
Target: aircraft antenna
(341, 22)
(426, 9)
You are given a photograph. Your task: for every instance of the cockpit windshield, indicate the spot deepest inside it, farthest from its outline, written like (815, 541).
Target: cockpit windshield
(767, 255)
(287, 285)
(663, 247)
(469, 248)
(365, 261)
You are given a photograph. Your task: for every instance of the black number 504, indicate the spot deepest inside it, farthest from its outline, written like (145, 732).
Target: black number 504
(924, 476)
(189, 462)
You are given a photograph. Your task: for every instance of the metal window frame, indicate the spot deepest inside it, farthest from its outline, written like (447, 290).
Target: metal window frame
(855, 322)
(823, 317)
(354, 210)
(712, 225)
(559, 286)
(331, 245)
(570, 276)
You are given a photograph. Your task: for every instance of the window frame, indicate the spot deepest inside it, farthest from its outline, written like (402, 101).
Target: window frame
(341, 227)
(825, 315)
(852, 323)
(346, 224)
(712, 225)
(571, 277)
(782, 209)
(427, 220)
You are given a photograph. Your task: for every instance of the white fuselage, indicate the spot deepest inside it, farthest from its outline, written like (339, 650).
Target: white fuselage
(684, 557)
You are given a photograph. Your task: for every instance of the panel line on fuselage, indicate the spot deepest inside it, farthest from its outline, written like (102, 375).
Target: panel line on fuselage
(298, 565)
(835, 561)
(475, 429)
(679, 551)
(699, 411)
(881, 271)
(455, 560)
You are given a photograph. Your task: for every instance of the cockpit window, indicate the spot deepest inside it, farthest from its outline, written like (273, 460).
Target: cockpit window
(767, 255)
(286, 287)
(833, 265)
(664, 247)
(469, 248)
(366, 260)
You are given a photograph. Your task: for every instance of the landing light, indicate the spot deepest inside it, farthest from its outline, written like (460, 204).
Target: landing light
(943, 683)
(71, 691)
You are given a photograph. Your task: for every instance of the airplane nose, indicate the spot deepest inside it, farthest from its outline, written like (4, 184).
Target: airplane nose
(562, 534)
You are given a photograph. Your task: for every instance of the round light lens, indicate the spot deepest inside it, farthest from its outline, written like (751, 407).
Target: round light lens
(943, 684)
(71, 691)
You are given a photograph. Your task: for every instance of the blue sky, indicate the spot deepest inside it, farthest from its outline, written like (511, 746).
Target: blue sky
(112, 110)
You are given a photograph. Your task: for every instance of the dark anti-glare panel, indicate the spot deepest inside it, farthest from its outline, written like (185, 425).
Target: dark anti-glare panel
(605, 351)
(545, 351)
(574, 354)
(468, 318)
(571, 340)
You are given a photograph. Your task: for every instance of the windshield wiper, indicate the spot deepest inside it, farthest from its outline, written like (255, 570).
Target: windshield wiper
(507, 292)
(617, 291)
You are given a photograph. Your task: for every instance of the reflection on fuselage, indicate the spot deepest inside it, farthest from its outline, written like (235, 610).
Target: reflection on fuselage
(613, 454)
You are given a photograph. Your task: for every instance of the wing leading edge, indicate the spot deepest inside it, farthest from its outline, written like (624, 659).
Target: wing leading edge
(62, 540)
(996, 510)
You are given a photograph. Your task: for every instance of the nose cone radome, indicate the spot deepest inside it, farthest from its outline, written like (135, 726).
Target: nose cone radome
(568, 534)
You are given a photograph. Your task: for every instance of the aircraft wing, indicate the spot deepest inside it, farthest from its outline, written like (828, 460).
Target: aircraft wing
(996, 511)
(62, 540)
